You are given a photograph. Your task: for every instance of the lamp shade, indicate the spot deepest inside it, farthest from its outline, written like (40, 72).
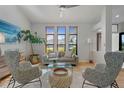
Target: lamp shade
(2, 38)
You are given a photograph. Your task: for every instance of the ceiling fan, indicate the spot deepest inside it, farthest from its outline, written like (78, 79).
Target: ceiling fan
(67, 6)
(63, 7)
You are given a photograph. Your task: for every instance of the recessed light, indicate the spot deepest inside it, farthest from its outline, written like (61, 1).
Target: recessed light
(117, 16)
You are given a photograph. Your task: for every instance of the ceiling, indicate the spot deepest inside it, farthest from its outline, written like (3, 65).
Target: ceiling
(117, 10)
(79, 14)
(50, 13)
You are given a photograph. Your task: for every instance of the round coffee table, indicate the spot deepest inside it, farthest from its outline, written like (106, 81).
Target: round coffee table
(60, 81)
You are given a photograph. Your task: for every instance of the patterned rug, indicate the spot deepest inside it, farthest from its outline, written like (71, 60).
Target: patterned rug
(77, 81)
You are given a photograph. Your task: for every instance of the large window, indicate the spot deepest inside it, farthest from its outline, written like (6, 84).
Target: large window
(61, 38)
(61, 33)
(50, 39)
(73, 39)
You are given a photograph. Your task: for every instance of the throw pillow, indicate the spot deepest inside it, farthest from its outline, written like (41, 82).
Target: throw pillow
(52, 55)
(68, 54)
(61, 54)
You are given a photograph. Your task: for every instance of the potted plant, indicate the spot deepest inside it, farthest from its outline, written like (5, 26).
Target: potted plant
(26, 35)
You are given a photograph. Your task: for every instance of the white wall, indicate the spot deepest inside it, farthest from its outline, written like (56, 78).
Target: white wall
(115, 37)
(121, 27)
(13, 15)
(115, 41)
(84, 32)
(105, 27)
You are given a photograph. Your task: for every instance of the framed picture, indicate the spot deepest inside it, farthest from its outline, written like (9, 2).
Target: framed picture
(9, 31)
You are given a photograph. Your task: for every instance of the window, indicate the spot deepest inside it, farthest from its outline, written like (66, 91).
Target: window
(61, 38)
(73, 39)
(61, 33)
(50, 39)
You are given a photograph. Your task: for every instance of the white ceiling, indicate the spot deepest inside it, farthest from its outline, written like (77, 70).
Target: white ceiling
(117, 10)
(50, 14)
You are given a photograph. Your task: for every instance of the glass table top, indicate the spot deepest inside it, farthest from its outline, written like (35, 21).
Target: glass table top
(59, 65)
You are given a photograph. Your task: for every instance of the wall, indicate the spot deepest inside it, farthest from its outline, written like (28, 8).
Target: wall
(115, 42)
(105, 27)
(13, 15)
(121, 27)
(115, 37)
(84, 32)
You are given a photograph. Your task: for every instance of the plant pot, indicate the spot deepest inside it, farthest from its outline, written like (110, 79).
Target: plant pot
(34, 59)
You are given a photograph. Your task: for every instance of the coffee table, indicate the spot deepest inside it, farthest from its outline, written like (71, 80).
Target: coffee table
(60, 80)
(60, 65)
(49, 79)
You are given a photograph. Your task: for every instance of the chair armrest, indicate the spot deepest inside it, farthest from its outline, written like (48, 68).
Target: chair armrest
(25, 65)
(25, 75)
(28, 71)
(96, 77)
(94, 74)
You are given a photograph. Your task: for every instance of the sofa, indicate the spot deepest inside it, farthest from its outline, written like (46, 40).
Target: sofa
(61, 57)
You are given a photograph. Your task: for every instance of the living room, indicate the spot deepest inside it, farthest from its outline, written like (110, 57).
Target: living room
(64, 28)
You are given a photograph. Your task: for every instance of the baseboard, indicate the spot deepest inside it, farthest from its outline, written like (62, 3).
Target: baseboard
(86, 61)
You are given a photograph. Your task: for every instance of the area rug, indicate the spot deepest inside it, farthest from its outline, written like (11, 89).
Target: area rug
(77, 81)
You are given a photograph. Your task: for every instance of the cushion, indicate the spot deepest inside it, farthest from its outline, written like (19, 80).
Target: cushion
(61, 54)
(66, 59)
(51, 55)
(68, 54)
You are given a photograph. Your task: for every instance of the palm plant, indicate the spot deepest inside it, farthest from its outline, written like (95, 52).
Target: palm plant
(32, 39)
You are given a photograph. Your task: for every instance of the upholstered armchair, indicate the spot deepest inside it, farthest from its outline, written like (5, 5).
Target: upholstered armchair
(22, 73)
(105, 75)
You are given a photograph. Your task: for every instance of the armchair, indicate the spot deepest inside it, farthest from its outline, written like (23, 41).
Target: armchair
(22, 73)
(105, 75)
